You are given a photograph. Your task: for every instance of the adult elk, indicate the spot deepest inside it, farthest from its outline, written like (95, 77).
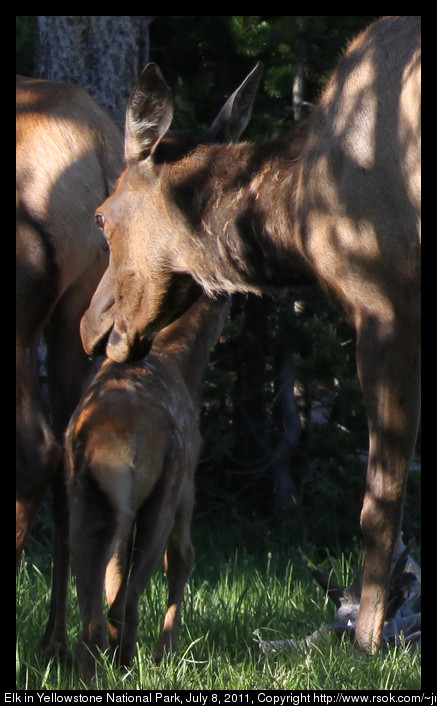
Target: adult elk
(69, 155)
(340, 205)
(132, 447)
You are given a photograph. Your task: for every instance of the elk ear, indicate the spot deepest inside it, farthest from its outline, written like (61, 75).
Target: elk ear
(235, 114)
(148, 115)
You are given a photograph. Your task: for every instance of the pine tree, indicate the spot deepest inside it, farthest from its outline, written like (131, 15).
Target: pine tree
(103, 54)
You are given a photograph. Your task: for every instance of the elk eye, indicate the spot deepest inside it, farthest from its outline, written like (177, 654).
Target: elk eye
(100, 220)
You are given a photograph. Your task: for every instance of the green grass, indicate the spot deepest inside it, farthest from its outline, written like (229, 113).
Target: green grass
(247, 584)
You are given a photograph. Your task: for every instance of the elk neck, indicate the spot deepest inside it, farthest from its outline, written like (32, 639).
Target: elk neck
(186, 343)
(238, 202)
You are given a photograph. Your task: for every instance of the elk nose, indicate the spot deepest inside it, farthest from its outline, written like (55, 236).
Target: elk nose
(117, 347)
(120, 350)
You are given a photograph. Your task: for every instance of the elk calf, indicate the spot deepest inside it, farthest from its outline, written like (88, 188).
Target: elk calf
(132, 447)
(340, 206)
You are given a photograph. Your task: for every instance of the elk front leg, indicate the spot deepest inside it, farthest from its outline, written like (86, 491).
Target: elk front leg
(388, 358)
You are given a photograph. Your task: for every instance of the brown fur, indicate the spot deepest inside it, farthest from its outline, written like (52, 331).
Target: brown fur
(358, 210)
(132, 448)
(69, 155)
(340, 206)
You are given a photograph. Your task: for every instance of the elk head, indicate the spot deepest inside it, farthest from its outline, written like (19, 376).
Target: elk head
(146, 286)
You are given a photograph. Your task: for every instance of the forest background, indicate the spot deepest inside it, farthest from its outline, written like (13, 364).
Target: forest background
(284, 426)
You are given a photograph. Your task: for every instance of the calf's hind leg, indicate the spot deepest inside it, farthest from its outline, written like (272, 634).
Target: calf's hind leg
(157, 523)
(150, 536)
(178, 564)
(92, 540)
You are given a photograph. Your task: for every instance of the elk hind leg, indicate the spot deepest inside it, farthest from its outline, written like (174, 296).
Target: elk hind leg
(116, 584)
(55, 641)
(38, 452)
(178, 564)
(92, 540)
(153, 524)
(67, 368)
(123, 614)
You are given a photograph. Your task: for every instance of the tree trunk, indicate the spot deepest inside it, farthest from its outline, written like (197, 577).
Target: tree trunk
(298, 93)
(103, 54)
(285, 412)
